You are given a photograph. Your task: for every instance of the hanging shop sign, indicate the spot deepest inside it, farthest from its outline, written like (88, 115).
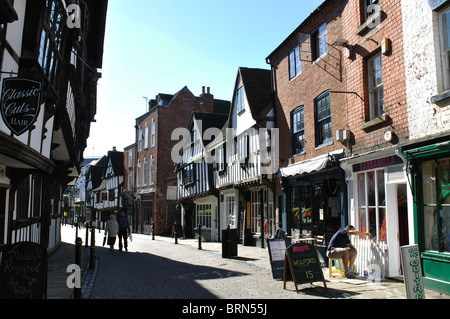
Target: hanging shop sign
(20, 103)
(412, 272)
(377, 163)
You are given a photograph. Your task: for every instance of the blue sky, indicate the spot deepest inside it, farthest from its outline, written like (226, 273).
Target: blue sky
(160, 46)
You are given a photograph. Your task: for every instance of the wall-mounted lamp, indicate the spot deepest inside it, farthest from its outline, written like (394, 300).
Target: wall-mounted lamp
(341, 43)
(344, 43)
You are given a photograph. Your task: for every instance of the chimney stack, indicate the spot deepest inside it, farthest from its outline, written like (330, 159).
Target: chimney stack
(207, 100)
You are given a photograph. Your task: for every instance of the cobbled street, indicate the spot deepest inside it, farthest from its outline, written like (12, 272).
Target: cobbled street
(160, 269)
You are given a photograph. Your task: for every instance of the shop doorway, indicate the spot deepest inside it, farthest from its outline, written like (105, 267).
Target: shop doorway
(402, 215)
(316, 209)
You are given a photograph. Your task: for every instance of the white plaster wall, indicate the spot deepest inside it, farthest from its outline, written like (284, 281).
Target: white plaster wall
(423, 70)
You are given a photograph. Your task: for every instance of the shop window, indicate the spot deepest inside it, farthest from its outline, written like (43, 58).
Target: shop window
(204, 215)
(298, 130)
(295, 64)
(229, 211)
(255, 216)
(301, 215)
(147, 209)
(436, 204)
(269, 213)
(372, 204)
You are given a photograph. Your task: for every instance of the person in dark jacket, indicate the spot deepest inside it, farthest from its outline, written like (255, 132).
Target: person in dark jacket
(124, 230)
(340, 246)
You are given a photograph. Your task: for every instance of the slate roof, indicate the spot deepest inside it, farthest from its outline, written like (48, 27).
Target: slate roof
(258, 88)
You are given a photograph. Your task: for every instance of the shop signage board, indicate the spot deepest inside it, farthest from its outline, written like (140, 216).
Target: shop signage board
(412, 272)
(377, 163)
(23, 273)
(277, 253)
(302, 265)
(20, 103)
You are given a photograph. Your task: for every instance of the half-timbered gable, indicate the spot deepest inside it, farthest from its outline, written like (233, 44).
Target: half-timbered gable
(196, 162)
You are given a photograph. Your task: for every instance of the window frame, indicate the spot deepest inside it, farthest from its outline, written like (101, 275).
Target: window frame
(52, 40)
(366, 7)
(301, 131)
(319, 132)
(240, 100)
(317, 42)
(444, 54)
(295, 63)
(377, 110)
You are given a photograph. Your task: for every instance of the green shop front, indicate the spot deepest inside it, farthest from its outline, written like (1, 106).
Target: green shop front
(429, 171)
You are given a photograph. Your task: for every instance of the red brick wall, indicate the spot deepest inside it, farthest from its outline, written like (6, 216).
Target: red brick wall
(167, 118)
(325, 74)
(366, 45)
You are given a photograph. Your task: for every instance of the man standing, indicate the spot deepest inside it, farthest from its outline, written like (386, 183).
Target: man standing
(340, 246)
(124, 230)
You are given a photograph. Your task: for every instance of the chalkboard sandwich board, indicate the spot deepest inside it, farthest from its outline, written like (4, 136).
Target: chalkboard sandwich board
(23, 272)
(302, 265)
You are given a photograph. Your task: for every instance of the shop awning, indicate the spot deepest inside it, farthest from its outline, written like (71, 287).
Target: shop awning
(313, 165)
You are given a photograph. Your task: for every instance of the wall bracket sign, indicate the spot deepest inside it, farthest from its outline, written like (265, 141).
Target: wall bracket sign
(20, 103)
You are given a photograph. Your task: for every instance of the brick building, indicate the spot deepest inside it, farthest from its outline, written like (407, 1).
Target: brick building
(378, 122)
(340, 90)
(310, 107)
(153, 168)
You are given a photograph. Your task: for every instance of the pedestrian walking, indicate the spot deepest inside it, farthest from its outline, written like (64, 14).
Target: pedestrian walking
(111, 230)
(340, 246)
(124, 231)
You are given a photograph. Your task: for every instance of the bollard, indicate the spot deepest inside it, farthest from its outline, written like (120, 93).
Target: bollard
(87, 235)
(176, 238)
(153, 231)
(199, 237)
(78, 244)
(76, 230)
(92, 256)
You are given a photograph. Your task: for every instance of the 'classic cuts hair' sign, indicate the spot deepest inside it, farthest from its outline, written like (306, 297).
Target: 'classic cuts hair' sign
(20, 103)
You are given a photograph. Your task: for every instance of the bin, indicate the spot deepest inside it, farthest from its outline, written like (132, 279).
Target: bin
(229, 243)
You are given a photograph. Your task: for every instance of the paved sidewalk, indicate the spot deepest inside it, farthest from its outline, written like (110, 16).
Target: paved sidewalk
(258, 258)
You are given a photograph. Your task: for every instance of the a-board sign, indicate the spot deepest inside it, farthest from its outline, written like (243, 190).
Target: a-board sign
(412, 272)
(23, 272)
(277, 252)
(302, 265)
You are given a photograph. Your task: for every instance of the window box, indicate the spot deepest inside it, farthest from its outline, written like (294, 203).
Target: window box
(375, 122)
